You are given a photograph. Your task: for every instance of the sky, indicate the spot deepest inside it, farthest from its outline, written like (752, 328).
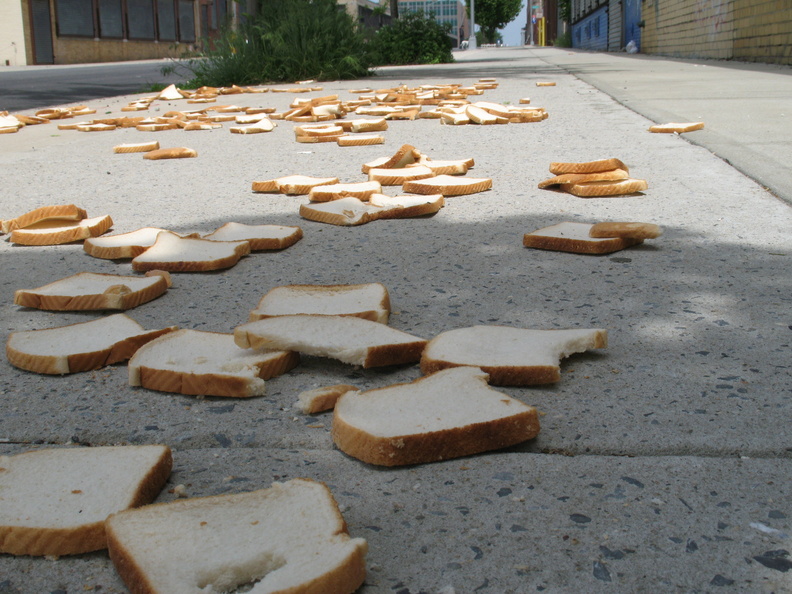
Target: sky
(512, 33)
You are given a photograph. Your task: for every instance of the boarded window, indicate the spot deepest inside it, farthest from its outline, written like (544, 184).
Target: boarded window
(111, 21)
(140, 19)
(186, 21)
(166, 19)
(75, 17)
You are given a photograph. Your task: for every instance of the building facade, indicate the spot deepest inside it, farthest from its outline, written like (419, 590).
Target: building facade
(746, 30)
(452, 12)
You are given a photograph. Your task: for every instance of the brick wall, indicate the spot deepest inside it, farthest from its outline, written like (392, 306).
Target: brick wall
(750, 30)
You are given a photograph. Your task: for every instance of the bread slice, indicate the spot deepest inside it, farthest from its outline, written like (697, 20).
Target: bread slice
(174, 253)
(56, 501)
(62, 212)
(352, 211)
(403, 207)
(575, 238)
(453, 167)
(639, 231)
(321, 399)
(122, 245)
(448, 185)
(89, 291)
(139, 147)
(445, 415)
(360, 190)
(406, 155)
(57, 231)
(360, 140)
(511, 356)
(676, 127)
(260, 237)
(79, 347)
(201, 363)
(369, 301)
(396, 177)
(557, 168)
(288, 538)
(599, 189)
(576, 178)
(347, 338)
(171, 153)
(293, 184)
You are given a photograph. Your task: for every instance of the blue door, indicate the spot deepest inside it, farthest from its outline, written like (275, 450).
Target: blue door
(632, 16)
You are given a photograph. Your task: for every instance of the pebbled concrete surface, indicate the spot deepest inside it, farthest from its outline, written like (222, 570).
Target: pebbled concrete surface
(663, 460)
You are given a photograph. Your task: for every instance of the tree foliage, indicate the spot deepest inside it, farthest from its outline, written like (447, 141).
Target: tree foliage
(415, 38)
(492, 15)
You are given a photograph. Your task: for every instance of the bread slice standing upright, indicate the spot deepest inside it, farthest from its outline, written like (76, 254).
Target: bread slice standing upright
(288, 538)
(445, 415)
(55, 501)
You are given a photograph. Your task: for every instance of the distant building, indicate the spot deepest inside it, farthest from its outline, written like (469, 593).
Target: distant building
(445, 11)
(366, 12)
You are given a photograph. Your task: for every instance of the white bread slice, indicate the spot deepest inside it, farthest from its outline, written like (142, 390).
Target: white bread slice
(122, 245)
(259, 126)
(260, 237)
(179, 152)
(484, 117)
(206, 364)
(558, 168)
(292, 184)
(360, 190)
(67, 212)
(456, 167)
(575, 238)
(139, 147)
(511, 356)
(290, 538)
(321, 399)
(360, 140)
(639, 231)
(89, 290)
(448, 185)
(79, 347)
(396, 177)
(57, 231)
(406, 155)
(352, 211)
(676, 127)
(597, 189)
(174, 253)
(369, 301)
(445, 415)
(349, 339)
(56, 501)
(576, 178)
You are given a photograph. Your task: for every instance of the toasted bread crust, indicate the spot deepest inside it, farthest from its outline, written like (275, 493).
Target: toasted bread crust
(77, 231)
(61, 211)
(639, 231)
(557, 168)
(577, 246)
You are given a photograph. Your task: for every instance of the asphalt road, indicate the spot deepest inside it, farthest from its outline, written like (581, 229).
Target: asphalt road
(36, 87)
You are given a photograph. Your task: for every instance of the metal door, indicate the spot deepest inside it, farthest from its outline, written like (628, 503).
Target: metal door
(631, 18)
(42, 32)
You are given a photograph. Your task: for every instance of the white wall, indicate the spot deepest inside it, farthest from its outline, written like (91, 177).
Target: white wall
(12, 34)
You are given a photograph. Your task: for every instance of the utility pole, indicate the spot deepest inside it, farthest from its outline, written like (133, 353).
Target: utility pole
(472, 41)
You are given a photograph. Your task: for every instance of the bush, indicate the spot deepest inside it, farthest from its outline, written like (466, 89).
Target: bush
(288, 40)
(413, 38)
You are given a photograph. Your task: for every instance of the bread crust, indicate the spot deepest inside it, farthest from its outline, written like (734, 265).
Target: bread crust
(558, 168)
(638, 231)
(448, 185)
(59, 211)
(37, 234)
(218, 262)
(578, 246)
(118, 252)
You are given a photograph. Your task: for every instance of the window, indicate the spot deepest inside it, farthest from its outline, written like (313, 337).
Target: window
(140, 19)
(166, 20)
(186, 21)
(111, 19)
(75, 17)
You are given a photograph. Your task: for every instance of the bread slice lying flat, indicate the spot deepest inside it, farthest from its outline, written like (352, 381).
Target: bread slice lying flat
(599, 189)
(628, 229)
(174, 253)
(58, 231)
(88, 291)
(56, 501)
(576, 178)
(65, 212)
(676, 127)
(448, 185)
(558, 168)
(288, 538)
(396, 177)
(349, 339)
(122, 245)
(260, 237)
(575, 238)
(352, 211)
(445, 415)
(79, 347)
(360, 190)
(511, 356)
(293, 184)
(369, 301)
(206, 364)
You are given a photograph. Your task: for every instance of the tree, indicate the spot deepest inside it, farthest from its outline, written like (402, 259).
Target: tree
(492, 15)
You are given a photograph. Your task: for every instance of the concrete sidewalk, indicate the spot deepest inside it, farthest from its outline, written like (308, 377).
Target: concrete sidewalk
(664, 460)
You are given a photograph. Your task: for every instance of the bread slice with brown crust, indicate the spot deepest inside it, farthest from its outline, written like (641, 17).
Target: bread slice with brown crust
(290, 538)
(445, 415)
(174, 253)
(91, 291)
(56, 501)
(65, 212)
(638, 231)
(260, 237)
(599, 189)
(676, 127)
(346, 338)
(511, 356)
(558, 168)
(57, 231)
(448, 185)
(122, 245)
(321, 399)
(396, 177)
(79, 347)
(576, 178)
(360, 190)
(199, 363)
(575, 238)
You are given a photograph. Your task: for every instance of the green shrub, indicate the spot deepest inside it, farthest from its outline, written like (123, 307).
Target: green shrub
(413, 38)
(563, 40)
(288, 40)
